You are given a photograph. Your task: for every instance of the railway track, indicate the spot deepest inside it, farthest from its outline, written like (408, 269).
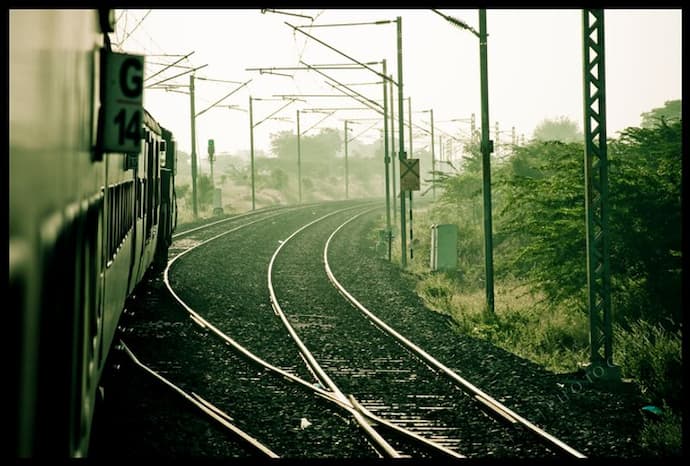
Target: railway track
(364, 419)
(368, 361)
(365, 394)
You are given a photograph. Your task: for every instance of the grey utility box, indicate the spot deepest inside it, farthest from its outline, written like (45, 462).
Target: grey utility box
(444, 247)
(217, 202)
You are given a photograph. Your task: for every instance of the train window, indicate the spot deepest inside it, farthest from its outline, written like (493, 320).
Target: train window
(131, 161)
(128, 204)
(113, 220)
(120, 216)
(112, 234)
(116, 218)
(121, 219)
(161, 154)
(142, 193)
(111, 230)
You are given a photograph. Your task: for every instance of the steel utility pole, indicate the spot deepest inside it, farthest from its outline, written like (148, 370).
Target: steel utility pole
(596, 198)
(211, 152)
(486, 149)
(386, 160)
(347, 193)
(401, 147)
(433, 158)
(299, 162)
(251, 148)
(440, 150)
(193, 155)
(409, 119)
(393, 153)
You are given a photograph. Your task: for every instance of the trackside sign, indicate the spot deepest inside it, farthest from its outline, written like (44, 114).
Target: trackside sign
(123, 97)
(409, 174)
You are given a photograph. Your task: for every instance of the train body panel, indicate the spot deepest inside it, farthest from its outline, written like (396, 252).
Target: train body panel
(84, 228)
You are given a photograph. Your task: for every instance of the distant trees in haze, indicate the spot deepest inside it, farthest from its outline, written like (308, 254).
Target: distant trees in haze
(323, 145)
(561, 129)
(671, 111)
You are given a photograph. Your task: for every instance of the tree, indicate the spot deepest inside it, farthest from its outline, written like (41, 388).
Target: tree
(562, 129)
(284, 145)
(544, 214)
(645, 186)
(545, 210)
(671, 111)
(323, 145)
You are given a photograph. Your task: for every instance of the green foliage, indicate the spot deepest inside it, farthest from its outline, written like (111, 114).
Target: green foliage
(544, 214)
(436, 291)
(307, 184)
(273, 178)
(663, 437)
(460, 202)
(204, 189)
(321, 147)
(472, 163)
(239, 174)
(562, 129)
(651, 355)
(645, 194)
(670, 112)
(181, 190)
(284, 144)
(548, 335)
(544, 217)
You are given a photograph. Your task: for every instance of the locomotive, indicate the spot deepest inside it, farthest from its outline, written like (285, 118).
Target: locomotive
(85, 224)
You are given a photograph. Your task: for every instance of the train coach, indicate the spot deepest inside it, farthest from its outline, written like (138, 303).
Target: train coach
(86, 221)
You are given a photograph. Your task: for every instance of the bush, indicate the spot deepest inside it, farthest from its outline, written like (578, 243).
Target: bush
(651, 355)
(663, 437)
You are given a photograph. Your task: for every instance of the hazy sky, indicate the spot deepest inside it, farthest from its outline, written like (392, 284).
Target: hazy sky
(534, 57)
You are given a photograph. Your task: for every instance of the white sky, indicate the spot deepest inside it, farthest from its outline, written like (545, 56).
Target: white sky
(534, 57)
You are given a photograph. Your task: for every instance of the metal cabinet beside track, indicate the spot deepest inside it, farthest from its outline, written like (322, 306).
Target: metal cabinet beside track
(444, 247)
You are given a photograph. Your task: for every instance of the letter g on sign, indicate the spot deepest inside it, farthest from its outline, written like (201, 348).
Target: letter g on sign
(131, 78)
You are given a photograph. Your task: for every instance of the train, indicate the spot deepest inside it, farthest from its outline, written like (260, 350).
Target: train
(86, 223)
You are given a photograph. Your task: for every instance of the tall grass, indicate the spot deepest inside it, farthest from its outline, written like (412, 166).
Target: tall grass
(520, 324)
(651, 355)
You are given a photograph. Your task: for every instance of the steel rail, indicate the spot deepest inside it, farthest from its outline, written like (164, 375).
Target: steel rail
(234, 217)
(323, 377)
(262, 210)
(232, 230)
(350, 405)
(401, 430)
(338, 394)
(481, 396)
(205, 406)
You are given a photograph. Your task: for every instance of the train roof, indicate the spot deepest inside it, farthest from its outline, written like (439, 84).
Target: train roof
(151, 122)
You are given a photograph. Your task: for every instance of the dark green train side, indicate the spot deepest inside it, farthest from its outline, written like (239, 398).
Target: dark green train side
(83, 229)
